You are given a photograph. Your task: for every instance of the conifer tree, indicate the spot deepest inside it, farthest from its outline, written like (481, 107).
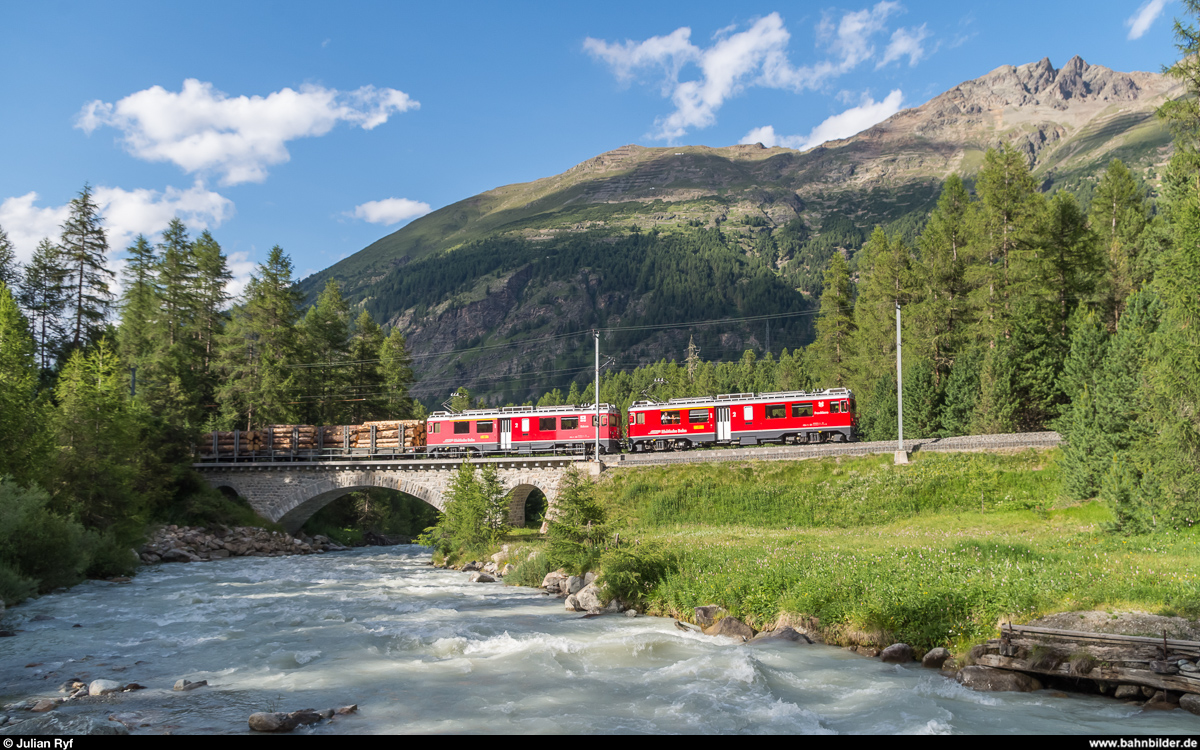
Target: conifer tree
(22, 432)
(830, 355)
(1004, 221)
(10, 270)
(258, 347)
(885, 282)
(366, 384)
(84, 247)
(44, 296)
(1084, 459)
(139, 304)
(1067, 260)
(1118, 215)
(395, 365)
(212, 280)
(939, 314)
(325, 347)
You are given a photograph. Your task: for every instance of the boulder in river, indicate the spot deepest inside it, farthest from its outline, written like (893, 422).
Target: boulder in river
(782, 634)
(43, 706)
(182, 685)
(1128, 693)
(987, 679)
(732, 627)
(104, 687)
(588, 598)
(897, 653)
(480, 577)
(272, 721)
(934, 658)
(1190, 702)
(708, 614)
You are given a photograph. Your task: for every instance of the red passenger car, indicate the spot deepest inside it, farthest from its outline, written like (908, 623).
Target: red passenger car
(524, 429)
(743, 419)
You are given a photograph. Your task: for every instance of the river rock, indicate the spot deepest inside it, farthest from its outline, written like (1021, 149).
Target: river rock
(352, 708)
(573, 604)
(183, 685)
(708, 614)
(555, 582)
(732, 627)
(631, 613)
(575, 584)
(507, 569)
(272, 721)
(104, 687)
(471, 566)
(43, 706)
(179, 555)
(782, 634)
(897, 653)
(1128, 693)
(490, 568)
(588, 598)
(60, 724)
(479, 577)
(1190, 702)
(987, 679)
(934, 658)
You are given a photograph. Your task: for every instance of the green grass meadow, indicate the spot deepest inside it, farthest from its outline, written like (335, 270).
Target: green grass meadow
(935, 553)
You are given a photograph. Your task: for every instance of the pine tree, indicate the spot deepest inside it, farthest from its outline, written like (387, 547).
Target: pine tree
(395, 366)
(1085, 458)
(829, 356)
(885, 282)
(139, 304)
(44, 296)
(212, 280)
(1118, 215)
(495, 501)
(939, 314)
(22, 429)
(84, 247)
(1004, 220)
(10, 270)
(366, 384)
(325, 347)
(1067, 261)
(576, 524)
(258, 348)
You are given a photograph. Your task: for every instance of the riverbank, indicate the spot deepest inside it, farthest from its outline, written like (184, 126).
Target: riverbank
(862, 553)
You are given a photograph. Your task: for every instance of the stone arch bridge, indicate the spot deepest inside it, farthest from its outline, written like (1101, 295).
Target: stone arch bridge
(289, 493)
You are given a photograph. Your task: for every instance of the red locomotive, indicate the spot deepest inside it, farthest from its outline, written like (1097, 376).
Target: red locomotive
(793, 417)
(524, 429)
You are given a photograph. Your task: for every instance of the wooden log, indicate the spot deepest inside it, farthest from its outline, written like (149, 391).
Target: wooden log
(1121, 675)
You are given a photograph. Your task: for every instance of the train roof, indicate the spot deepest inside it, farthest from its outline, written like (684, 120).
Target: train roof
(522, 411)
(741, 398)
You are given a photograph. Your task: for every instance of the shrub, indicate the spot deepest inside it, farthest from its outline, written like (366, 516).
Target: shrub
(631, 572)
(576, 525)
(37, 544)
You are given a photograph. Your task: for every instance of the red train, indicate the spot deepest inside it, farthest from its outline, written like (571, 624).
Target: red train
(793, 417)
(524, 429)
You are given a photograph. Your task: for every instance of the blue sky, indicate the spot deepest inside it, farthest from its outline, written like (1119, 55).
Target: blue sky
(323, 127)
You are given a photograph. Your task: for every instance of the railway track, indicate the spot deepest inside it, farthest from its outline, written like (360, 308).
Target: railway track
(982, 443)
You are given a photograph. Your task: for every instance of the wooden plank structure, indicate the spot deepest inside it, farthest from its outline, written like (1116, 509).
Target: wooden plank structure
(290, 441)
(1157, 663)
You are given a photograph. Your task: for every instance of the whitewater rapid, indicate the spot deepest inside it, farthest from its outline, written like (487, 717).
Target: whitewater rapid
(420, 649)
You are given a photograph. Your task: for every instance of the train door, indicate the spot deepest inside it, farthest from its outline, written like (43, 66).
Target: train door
(505, 434)
(724, 431)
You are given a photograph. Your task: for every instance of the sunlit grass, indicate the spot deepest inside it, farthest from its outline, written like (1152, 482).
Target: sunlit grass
(935, 553)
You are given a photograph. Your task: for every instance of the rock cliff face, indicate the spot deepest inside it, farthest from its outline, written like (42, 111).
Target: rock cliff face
(1069, 121)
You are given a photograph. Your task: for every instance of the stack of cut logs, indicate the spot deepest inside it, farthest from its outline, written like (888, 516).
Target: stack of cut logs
(390, 436)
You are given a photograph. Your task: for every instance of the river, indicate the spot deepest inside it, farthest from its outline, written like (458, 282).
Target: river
(420, 649)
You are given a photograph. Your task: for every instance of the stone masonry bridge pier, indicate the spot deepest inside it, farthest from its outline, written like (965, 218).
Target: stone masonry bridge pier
(290, 492)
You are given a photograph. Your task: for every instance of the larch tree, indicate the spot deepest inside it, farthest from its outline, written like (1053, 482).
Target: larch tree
(939, 314)
(366, 384)
(139, 304)
(44, 295)
(10, 270)
(84, 249)
(1118, 215)
(829, 356)
(21, 430)
(395, 364)
(324, 344)
(212, 298)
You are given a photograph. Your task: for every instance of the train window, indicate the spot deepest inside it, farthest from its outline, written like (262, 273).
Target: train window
(671, 417)
(845, 407)
(748, 413)
(604, 419)
(698, 416)
(801, 410)
(641, 417)
(776, 411)
(435, 427)
(483, 426)
(461, 428)
(525, 425)
(546, 424)
(834, 407)
(570, 423)
(853, 406)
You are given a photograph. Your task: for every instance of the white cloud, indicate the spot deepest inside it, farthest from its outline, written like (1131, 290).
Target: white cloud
(754, 57)
(241, 267)
(905, 43)
(390, 211)
(852, 121)
(203, 130)
(125, 213)
(1139, 23)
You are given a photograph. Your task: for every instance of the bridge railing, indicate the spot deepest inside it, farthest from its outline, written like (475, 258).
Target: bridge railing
(365, 454)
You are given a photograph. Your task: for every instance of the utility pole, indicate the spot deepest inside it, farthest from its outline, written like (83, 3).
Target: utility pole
(901, 454)
(596, 335)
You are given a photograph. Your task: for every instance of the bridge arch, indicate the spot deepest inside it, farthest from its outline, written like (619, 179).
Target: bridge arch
(298, 505)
